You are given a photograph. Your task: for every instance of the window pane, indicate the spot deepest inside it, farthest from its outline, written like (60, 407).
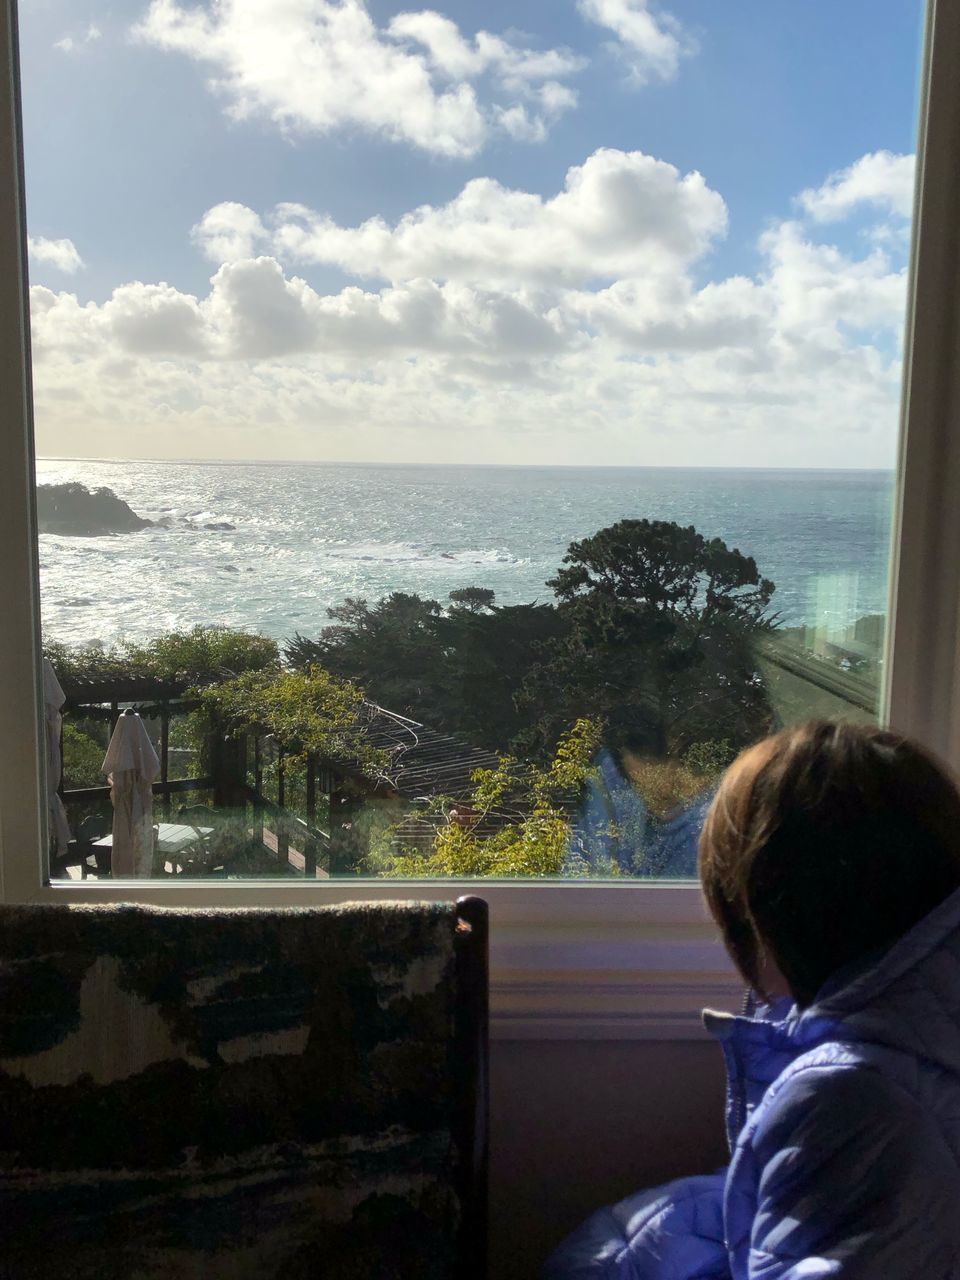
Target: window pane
(455, 445)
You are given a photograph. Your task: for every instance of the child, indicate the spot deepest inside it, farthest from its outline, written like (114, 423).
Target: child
(830, 859)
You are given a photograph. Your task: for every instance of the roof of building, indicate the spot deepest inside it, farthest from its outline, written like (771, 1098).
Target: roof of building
(124, 687)
(423, 763)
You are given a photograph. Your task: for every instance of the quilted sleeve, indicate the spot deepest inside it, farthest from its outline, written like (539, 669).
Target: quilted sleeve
(674, 1232)
(856, 1182)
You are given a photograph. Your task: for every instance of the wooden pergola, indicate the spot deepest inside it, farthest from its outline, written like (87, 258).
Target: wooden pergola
(421, 765)
(158, 699)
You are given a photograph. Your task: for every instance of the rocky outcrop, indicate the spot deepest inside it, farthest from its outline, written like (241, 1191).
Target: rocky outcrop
(75, 510)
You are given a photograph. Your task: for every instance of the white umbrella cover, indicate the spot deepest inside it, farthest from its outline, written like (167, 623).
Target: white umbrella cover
(131, 766)
(53, 700)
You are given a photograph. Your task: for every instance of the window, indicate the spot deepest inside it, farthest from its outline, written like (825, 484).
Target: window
(842, 661)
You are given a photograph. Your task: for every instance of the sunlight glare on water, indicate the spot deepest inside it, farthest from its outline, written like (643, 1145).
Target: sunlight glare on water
(304, 537)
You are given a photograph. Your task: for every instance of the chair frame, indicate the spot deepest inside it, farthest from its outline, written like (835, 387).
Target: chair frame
(471, 1046)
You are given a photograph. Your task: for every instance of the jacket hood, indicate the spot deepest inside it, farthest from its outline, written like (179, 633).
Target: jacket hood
(906, 999)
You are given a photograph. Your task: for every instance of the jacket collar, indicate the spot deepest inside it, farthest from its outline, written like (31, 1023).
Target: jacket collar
(903, 996)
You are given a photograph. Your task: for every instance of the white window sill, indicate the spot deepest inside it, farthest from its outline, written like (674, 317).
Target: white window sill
(568, 961)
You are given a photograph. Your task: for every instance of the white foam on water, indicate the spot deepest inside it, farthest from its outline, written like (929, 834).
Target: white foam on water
(307, 537)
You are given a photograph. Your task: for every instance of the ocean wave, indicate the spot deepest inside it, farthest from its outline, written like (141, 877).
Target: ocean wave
(307, 538)
(411, 553)
(202, 522)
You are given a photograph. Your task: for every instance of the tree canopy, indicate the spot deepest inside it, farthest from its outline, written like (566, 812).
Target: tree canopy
(198, 656)
(649, 631)
(305, 712)
(390, 647)
(661, 622)
(665, 566)
(472, 599)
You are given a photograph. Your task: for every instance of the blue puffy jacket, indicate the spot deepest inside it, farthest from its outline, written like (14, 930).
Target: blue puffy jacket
(844, 1124)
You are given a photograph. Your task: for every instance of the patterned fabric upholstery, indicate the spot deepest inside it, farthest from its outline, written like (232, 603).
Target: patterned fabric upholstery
(228, 1093)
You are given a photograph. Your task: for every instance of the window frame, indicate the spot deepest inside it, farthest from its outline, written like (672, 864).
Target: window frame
(569, 960)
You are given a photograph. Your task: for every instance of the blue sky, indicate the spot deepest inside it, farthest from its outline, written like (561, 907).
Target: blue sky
(623, 357)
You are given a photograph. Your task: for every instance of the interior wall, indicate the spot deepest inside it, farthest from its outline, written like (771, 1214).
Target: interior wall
(576, 1125)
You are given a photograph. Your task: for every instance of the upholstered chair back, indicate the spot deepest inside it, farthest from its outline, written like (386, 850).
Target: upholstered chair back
(242, 1094)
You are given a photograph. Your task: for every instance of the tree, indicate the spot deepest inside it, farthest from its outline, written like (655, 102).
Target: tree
(82, 758)
(472, 599)
(305, 712)
(487, 657)
(201, 655)
(660, 623)
(662, 565)
(458, 670)
(651, 634)
(390, 647)
(205, 655)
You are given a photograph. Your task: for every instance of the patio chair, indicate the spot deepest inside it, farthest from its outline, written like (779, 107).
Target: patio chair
(224, 843)
(243, 1094)
(195, 858)
(82, 851)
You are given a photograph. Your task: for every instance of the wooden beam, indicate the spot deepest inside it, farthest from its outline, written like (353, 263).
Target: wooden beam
(310, 846)
(165, 756)
(283, 839)
(178, 784)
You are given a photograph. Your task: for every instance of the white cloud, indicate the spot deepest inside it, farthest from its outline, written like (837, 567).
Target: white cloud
(447, 50)
(620, 214)
(61, 254)
(823, 294)
(674, 317)
(625, 354)
(67, 44)
(520, 125)
(809, 304)
(881, 180)
(652, 45)
(556, 98)
(254, 311)
(458, 58)
(155, 320)
(318, 65)
(228, 231)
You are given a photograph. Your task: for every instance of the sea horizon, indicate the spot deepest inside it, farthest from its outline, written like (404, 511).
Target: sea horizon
(499, 466)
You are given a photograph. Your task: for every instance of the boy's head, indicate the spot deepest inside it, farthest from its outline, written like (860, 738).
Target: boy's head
(823, 844)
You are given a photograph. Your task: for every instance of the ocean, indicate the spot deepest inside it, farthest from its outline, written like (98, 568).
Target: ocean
(306, 535)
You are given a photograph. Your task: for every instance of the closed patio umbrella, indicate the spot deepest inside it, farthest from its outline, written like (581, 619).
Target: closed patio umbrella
(53, 700)
(131, 766)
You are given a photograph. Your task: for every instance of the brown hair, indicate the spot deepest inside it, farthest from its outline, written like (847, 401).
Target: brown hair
(825, 843)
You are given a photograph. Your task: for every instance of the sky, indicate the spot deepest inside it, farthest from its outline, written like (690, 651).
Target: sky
(547, 231)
